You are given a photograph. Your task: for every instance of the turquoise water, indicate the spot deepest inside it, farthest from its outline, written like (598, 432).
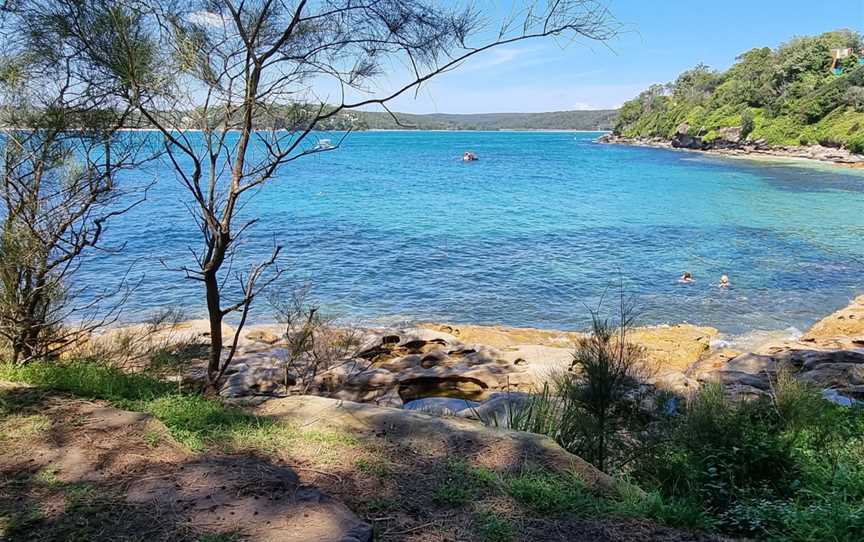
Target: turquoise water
(393, 227)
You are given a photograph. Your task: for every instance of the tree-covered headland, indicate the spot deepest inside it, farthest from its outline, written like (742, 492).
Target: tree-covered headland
(807, 91)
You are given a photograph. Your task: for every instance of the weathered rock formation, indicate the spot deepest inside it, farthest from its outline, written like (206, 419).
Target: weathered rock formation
(472, 363)
(830, 356)
(729, 143)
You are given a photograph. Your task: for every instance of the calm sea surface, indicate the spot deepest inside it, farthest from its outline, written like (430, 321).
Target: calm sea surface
(393, 227)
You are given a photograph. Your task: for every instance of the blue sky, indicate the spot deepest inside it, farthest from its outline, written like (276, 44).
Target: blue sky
(661, 39)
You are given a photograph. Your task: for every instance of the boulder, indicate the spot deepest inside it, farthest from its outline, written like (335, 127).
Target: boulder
(441, 406)
(464, 380)
(257, 381)
(498, 410)
(366, 385)
(265, 335)
(673, 347)
(683, 140)
(435, 437)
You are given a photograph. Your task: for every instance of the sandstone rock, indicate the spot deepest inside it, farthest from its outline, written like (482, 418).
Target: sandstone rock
(808, 360)
(441, 406)
(543, 363)
(675, 382)
(711, 362)
(547, 352)
(498, 410)
(257, 380)
(674, 347)
(427, 335)
(737, 379)
(752, 364)
(265, 334)
(437, 437)
(856, 375)
(372, 378)
(433, 358)
(366, 385)
(731, 134)
(842, 327)
(335, 377)
(462, 380)
(401, 364)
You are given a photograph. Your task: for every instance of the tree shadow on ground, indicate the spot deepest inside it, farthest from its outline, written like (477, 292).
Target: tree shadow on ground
(90, 472)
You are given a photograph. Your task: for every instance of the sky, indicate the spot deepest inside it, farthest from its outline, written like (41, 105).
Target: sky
(659, 40)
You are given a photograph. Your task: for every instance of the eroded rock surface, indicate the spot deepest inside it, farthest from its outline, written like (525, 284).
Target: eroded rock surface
(830, 355)
(468, 362)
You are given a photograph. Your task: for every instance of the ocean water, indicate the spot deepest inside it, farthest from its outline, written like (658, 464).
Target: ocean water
(393, 227)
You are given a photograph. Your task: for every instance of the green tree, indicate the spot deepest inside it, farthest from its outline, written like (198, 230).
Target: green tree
(220, 65)
(60, 153)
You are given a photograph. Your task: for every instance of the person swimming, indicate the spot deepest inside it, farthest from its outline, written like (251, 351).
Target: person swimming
(686, 277)
(469, 156)
(724, 281)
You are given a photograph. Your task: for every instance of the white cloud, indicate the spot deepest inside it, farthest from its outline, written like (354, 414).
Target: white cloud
(205, 18)
(499, 56)
(582, 106)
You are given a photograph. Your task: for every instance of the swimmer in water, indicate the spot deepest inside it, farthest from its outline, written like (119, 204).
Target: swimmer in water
(724, 281)
(686, 277)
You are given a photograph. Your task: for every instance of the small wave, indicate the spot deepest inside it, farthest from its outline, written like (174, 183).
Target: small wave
(756, 339)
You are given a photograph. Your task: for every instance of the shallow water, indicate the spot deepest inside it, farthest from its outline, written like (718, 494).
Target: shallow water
(393, 227)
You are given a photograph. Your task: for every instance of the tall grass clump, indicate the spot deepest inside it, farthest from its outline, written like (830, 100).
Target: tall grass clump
(787, 466)
(595, 409)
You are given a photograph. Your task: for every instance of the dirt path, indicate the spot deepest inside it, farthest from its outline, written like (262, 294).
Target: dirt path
(72, 469)
(81, 470)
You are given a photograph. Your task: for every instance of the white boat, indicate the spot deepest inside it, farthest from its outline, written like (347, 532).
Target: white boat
(324, 145)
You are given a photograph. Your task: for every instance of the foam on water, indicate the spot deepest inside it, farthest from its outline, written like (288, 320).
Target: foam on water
(754, 340)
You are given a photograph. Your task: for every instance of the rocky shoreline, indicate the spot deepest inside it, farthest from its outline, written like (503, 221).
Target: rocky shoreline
(729, 145)
(472, 370)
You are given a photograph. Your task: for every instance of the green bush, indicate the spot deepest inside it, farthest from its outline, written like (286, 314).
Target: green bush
(764, 467)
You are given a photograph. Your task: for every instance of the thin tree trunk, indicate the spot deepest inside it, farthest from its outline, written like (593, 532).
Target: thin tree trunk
(214, 310)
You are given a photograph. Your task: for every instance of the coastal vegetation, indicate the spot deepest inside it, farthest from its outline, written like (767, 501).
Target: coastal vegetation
(130, 435)
(785, 465)
(594, 120)
(795, 94)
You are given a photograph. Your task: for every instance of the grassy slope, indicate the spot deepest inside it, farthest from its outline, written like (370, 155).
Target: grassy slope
(375, 478)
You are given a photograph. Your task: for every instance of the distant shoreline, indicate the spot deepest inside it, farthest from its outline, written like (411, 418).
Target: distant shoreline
(813, 154)
(509, 130)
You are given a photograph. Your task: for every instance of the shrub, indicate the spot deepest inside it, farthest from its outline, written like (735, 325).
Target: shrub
(748, 123)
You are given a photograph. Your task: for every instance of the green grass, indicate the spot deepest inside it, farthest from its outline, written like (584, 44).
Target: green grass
(87, 379)
(22, 426)
(373, 467)
(196, 421)
(492, 528)
(551, 493)
(460, 483)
